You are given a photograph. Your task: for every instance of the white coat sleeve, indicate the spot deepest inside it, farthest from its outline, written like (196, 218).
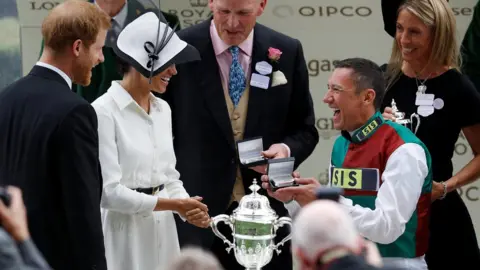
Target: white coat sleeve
(116, 196)
(397, 198)
(174, 185)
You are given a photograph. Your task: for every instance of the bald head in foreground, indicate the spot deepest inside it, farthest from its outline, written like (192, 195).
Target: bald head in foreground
(49, 140)
(195, 258)
(324, 237)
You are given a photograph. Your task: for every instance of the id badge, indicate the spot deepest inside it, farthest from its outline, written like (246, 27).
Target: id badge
(424, 99)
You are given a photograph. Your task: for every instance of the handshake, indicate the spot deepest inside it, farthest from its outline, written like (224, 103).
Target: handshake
(194, 211)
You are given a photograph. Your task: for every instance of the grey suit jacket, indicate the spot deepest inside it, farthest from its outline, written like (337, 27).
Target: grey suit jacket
(19, 256)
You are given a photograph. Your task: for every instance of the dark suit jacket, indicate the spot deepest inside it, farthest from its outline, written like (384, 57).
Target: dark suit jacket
(203, 137)
(49, 149)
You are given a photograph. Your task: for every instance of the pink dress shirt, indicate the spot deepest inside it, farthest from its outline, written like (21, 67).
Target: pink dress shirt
(224, 57)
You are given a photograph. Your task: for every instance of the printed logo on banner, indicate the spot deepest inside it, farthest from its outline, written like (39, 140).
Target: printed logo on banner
(469, 193)
(316, 66)
(462, 147)
(462, 11)
(284, 11)
(43, 5)
(195, 14)
(463, 153)
(198, 3)
(325, 128)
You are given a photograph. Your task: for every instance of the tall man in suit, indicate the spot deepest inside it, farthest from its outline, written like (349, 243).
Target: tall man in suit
(215, 103)
(49, 140)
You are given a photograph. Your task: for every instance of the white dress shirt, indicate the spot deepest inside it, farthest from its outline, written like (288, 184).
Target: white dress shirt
(397, 199)
(136, 151)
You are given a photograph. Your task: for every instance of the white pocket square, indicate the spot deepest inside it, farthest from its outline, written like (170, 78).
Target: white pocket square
(278, 78)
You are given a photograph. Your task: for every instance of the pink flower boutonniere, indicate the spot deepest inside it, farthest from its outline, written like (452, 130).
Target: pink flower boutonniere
(278, 78)
(274, 54)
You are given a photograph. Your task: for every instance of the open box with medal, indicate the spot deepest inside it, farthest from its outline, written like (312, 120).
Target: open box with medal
(250, 152)
(279, 172)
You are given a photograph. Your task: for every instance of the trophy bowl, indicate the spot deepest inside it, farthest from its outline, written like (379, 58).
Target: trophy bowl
(254, 225)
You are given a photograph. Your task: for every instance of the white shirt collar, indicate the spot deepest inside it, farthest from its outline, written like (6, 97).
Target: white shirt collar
(124, 99)
(59, 71)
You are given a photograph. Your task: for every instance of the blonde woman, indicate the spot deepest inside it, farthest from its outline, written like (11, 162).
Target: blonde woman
(424, 80)
(141, 187)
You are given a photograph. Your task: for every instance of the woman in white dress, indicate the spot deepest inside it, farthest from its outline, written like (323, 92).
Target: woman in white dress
(141, 187)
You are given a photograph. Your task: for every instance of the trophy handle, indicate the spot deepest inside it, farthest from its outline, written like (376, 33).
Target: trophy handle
(279, 223)
(417, 117)
(213, 225)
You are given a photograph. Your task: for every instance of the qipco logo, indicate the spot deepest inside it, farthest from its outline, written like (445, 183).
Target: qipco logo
(329, 11)
(284, 11)
(469, 193)
(43, 5)
(462, 147)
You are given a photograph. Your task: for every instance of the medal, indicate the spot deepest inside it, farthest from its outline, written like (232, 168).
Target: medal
(422, 88)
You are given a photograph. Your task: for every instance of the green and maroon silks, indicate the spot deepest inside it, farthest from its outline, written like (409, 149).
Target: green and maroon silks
(370, 147)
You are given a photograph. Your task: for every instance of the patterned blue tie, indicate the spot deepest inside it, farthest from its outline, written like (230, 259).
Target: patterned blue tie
(237, 81)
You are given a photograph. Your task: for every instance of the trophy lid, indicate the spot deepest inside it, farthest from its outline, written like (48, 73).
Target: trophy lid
(255, 206)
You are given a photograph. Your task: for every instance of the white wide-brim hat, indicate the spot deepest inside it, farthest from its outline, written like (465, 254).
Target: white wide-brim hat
(147, 40)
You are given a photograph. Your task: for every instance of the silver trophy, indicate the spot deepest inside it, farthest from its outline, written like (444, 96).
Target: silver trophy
(400, 118)
(254, 225)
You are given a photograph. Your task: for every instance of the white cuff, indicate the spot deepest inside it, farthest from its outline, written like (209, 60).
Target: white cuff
(292, 207)
(180, 216)
(347, 204)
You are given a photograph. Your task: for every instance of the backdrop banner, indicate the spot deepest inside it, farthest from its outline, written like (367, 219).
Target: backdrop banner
(329, 30)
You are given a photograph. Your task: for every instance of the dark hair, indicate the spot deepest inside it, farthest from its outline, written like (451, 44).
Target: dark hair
(366, 74)
(121, 65)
